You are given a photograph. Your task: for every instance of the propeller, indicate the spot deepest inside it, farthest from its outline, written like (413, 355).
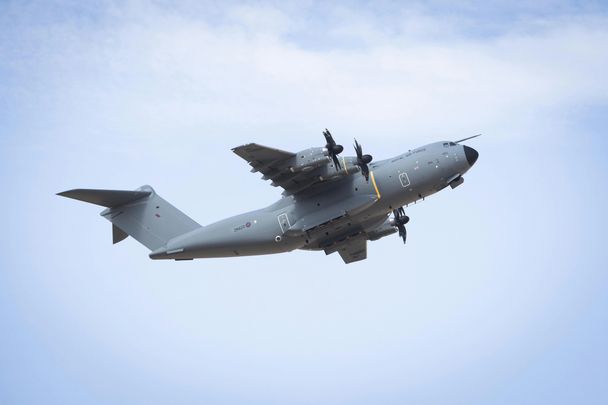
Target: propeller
(362, 160)
(333, 149)
(400, 221)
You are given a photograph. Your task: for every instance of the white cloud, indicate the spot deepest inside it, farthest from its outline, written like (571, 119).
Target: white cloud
(156, 72)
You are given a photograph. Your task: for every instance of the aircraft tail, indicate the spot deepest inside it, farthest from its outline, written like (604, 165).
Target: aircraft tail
(142, 214)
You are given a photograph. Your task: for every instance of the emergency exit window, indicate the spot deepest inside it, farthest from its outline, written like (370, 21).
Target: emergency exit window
(404, 179)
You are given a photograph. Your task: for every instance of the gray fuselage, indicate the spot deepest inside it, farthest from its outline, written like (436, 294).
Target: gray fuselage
(347, 206)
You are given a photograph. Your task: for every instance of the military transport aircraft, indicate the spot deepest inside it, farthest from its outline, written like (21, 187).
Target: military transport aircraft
(330, 203)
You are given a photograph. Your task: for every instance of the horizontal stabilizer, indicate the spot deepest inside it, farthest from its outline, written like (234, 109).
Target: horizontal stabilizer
(105, 198)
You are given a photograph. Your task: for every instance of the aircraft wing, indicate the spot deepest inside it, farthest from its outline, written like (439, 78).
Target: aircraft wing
(259, 156)
(274, 165)
(351, 239)
(352, 250)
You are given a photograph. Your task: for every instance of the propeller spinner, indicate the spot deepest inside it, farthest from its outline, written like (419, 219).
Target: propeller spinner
(333, 149)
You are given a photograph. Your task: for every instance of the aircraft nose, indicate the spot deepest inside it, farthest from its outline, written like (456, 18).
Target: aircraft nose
(471, 155)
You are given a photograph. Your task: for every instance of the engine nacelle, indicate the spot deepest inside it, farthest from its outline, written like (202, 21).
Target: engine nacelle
(308, 160)
(386, 229)
(348, 166)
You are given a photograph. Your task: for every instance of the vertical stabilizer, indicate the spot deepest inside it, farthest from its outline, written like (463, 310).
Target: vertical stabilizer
(142, 214)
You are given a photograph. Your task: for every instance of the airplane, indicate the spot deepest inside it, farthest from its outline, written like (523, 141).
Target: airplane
(330, 203)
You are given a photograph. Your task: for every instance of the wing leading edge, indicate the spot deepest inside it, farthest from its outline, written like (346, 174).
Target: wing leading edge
(260, 156)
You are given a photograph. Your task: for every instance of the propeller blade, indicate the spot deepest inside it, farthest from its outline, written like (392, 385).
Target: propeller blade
(362, 160)
(466, 139)
(334, 157)
(328, 138)
(400, 221)
(333, 149)
(365, 171)
(358, 149)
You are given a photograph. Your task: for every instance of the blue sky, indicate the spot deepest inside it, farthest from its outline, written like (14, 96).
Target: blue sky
(498, 297)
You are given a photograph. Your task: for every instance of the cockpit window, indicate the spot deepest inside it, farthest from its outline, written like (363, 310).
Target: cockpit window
(452, 144)
(445, 144)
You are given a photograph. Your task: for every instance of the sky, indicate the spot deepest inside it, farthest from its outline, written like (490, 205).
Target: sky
(497, 298)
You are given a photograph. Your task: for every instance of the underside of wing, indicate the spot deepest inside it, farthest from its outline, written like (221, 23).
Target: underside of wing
(352, 250)
(348, 236)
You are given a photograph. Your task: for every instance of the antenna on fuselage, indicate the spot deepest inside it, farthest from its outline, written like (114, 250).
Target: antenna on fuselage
(466, 139)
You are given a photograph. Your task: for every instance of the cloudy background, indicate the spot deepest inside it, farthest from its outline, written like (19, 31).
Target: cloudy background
(498, 297)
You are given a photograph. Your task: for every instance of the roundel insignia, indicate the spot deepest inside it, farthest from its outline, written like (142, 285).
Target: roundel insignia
(248, 224)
